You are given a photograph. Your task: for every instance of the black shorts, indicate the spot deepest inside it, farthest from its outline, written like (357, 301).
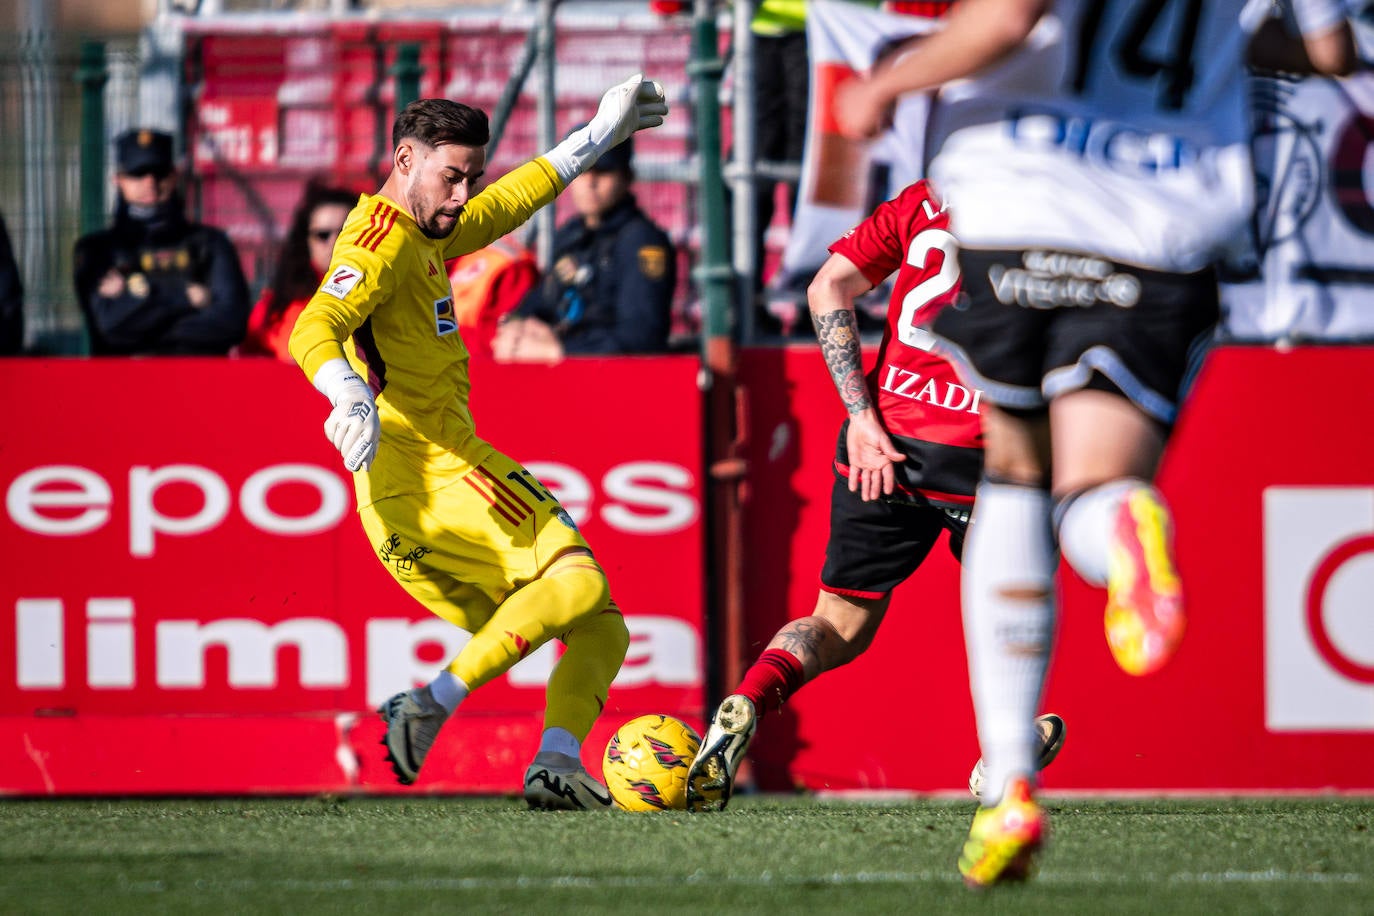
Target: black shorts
(1035, 324)
(875, 546)
(947, 474)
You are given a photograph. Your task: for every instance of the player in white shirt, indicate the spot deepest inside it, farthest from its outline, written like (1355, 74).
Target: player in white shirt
(1095, 157)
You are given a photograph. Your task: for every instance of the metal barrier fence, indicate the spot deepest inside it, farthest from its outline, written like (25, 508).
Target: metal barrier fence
(315, 93)
(40, 169)
(324, 85)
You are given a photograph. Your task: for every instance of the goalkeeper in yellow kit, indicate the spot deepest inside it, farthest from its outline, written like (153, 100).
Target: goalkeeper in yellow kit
(467, 531)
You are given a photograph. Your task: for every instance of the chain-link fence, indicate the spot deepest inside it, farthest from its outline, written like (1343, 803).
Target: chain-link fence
(40, 168)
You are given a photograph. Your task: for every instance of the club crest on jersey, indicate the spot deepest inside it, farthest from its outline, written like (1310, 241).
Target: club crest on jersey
(341, 280)
(445, 321)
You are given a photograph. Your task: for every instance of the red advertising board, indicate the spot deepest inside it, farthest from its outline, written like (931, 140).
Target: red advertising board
(189, 605)
(1272, 483)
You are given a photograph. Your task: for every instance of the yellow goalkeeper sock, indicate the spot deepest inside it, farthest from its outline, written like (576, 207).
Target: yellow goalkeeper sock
(580, 682)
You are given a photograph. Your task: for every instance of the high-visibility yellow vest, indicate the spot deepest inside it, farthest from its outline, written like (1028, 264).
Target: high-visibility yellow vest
(779, 17)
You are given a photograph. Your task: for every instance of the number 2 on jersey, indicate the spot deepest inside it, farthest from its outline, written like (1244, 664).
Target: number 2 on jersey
(931, 288)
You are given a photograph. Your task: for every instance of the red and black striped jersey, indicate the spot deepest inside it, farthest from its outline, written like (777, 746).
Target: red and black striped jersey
(918, 395)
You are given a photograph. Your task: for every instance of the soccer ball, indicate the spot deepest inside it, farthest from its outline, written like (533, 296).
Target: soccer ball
(646, 763)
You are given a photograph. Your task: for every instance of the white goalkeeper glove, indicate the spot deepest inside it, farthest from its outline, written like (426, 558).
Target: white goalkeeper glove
(353, 425)
(633, 105)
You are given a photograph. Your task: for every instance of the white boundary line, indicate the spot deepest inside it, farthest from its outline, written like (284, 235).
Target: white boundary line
(766, 879)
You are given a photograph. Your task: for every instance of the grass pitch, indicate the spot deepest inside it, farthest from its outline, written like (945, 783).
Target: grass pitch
(762, 855)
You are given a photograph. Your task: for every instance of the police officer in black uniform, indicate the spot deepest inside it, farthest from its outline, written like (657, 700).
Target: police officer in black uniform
(154, 282)
(610, 289)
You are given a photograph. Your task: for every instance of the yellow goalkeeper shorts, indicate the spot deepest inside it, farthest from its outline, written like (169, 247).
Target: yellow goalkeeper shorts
(462, 549)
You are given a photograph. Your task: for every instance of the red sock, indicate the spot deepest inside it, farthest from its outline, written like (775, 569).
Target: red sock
(772, 679)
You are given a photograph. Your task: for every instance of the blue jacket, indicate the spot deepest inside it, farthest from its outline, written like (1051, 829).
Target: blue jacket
(623, 274)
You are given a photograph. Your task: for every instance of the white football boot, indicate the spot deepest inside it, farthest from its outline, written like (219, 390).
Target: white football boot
(558, 782)
(711, 780)
(413, 719)
(1051, 729)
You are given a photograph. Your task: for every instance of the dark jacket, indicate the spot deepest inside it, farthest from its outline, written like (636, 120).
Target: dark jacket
(620, 299)
(158, 258)
(11, 299)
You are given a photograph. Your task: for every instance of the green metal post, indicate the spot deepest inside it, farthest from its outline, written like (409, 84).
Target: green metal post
(715, 274)
(407, 72)
(723, 396)
(92, 75)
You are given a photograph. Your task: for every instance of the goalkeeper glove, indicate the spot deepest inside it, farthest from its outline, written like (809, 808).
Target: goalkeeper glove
(353, 425)
(633, 105)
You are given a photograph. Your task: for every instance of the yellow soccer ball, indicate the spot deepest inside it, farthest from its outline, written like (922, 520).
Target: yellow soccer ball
(646, 763)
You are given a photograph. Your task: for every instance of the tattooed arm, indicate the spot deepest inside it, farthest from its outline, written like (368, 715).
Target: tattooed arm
(831, 299)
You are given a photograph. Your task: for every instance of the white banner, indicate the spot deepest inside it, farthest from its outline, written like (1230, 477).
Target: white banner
(843, 180)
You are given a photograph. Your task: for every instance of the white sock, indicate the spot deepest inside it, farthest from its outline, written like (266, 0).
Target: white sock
(561, 741)
(1009, 607)
(448, 690)
(1086, 527)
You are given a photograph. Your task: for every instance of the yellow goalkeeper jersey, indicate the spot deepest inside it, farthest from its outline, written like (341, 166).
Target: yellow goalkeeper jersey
(386, 305)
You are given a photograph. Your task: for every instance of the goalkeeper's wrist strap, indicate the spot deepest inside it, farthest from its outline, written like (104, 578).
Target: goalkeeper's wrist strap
(333, 376)
(575, 154)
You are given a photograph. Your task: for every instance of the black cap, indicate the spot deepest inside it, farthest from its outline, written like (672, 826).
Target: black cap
(143, 150)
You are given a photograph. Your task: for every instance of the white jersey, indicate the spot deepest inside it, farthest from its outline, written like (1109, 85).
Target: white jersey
(1120, 128)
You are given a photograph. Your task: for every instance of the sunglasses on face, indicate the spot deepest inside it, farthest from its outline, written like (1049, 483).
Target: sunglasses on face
(324, 235)
(156, 173)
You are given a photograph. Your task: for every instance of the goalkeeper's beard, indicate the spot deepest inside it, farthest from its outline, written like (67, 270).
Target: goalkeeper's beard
(427, 218)
(431, 228)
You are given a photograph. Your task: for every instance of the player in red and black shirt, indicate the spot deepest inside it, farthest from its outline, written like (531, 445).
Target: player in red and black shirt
(908, 459)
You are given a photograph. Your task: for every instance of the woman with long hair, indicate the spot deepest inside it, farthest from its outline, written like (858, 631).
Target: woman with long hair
(305, 253)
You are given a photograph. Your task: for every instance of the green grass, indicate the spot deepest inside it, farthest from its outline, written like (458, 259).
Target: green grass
(763, 855)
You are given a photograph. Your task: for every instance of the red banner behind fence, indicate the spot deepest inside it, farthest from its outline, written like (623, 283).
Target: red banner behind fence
(187, 605)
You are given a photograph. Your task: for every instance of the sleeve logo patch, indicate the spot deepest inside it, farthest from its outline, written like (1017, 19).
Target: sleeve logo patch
(341, 280)
(445, 321)
(653, 261)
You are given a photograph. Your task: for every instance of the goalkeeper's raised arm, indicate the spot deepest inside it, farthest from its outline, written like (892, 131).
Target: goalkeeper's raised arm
(633, 105)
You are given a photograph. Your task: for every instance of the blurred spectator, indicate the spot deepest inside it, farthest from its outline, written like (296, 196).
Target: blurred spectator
(610, 289)
(154, 282)
(305, 255)
(11, 299)
(488, 284)
(781, 82)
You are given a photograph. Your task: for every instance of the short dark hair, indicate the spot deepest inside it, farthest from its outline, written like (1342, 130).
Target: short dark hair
(437, 121)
